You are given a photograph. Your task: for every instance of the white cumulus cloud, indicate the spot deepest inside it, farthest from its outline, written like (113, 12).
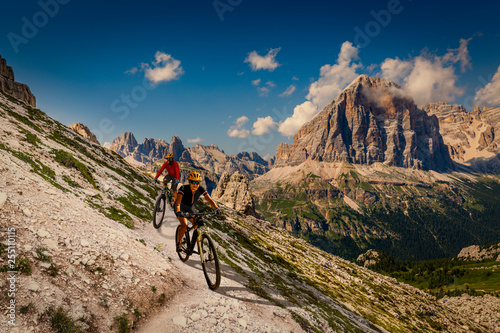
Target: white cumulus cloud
(426, 78)
(165, 68)
(237, 130)
(195, 140)
(267, 62)
(289, 91)
(489, 95)
(264, 126)
(301, 114)
(429, 77)
(334, 78)
(256, 82)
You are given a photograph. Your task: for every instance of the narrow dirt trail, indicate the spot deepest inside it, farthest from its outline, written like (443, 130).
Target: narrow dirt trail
(231, 308)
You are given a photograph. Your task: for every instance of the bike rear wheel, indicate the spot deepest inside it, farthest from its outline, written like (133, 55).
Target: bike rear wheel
(210, 262)
(183, 255)
(159, 212)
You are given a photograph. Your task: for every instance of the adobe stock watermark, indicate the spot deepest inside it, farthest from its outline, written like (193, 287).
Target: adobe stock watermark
(122, 107)
(11, 276)
(373, 28)
(258, 143)
(223, 6)
(30, 28)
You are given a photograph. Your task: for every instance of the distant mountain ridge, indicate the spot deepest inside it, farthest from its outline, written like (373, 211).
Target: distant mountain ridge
(472, 137)
(210, 158)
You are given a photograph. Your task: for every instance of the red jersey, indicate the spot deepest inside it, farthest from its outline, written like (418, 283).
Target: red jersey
(172, 169)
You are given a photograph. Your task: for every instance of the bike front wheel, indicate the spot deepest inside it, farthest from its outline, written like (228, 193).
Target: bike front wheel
(210, 262)
(183, 253)
(159, 212)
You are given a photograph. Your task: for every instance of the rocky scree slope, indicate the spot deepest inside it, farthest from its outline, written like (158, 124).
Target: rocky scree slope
(326, 293)
(77, 211)
(370, 121)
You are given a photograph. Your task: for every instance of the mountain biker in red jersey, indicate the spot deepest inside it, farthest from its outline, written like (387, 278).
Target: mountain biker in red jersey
(188, 195)
(173, 173)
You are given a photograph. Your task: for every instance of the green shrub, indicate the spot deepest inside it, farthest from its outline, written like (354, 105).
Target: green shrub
(60, 321)
(122, 323)
(23, 265)
(65, 158)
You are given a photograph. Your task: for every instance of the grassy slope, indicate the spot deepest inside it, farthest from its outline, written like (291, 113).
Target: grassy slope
(46, 144)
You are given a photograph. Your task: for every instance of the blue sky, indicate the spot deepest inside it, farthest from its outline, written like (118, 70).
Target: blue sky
(241, 74)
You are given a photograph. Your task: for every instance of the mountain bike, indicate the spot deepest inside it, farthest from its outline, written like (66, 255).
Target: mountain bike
(206, 249)
(165, 196)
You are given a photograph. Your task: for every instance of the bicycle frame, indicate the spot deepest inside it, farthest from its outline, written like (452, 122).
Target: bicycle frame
(200, 231)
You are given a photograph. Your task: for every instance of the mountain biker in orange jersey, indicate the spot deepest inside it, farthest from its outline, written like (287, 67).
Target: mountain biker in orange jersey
(173, 173)
(186, 198)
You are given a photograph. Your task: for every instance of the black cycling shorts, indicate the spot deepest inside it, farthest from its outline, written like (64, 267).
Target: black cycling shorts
(169, 178)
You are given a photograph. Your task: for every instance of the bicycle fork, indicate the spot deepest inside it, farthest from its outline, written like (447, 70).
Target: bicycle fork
(200, 244)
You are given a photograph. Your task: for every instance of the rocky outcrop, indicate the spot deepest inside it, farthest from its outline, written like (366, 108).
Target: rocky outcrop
(370, 121)
(369, 258)
(232, 191)
(475, 253)
(9, 86)
(85, 132)
(472, 137)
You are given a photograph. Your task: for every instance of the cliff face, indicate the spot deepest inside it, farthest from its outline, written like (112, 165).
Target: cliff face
(9, 86)
(370, 121)
(472, 137)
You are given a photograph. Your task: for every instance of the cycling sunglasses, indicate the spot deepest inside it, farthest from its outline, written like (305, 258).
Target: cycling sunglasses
(194, 183)
(169, 159)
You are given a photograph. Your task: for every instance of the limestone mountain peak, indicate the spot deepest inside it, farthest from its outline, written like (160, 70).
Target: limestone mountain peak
(371, 120)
